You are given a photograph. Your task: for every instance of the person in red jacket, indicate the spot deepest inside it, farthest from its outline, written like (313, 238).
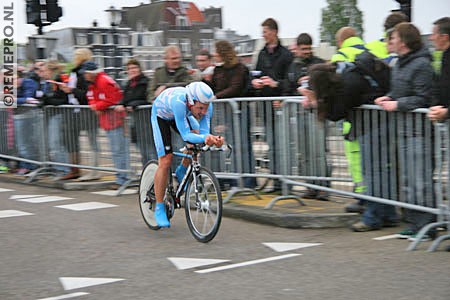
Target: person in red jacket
(103, 93)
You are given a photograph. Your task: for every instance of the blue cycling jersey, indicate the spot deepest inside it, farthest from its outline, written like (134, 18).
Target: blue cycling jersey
(171, 104)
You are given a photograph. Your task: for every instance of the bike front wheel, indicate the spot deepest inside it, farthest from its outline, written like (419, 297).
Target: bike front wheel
(147, 199)
(203, 207)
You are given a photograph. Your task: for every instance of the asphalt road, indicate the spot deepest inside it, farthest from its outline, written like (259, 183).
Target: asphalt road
(57, 253)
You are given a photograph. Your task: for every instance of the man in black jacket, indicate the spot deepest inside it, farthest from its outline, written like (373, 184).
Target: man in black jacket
(441, 87)
(304, 58)
(273, 61)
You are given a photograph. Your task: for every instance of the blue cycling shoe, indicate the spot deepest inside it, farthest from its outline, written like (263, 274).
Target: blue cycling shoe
(180, 171)
(161, 216)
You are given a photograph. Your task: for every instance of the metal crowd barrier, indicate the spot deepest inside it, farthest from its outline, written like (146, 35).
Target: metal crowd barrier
(405, 156)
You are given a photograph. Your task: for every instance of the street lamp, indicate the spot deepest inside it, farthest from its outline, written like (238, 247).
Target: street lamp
(115, 16)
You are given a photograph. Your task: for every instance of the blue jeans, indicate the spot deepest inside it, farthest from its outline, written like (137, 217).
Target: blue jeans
(376, 213)
(57, 151)
(119, 147)
(26, 132)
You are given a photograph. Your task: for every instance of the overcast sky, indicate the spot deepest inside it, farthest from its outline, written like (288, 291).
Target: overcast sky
(245, 16)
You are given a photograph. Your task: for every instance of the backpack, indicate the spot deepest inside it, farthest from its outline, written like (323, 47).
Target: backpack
(373, 69)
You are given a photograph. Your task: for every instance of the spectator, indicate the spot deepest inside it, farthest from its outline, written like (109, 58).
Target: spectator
(441, 83)
(230, 79)
(205, 68)
(50, 95)
(304, 58)
(25, 130)
(103, 93)
(349, 47)
(135, 94)
(172, 74)
(273, 61)
(272, 64)
(410, 89)
(76, 89)
(378, 47)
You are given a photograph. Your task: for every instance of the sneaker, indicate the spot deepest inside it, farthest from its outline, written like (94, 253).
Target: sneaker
(310, 194)
(362, 227)
(92, 175)
(425, 238)
(405, 234)
(161, 216)
(4, 169)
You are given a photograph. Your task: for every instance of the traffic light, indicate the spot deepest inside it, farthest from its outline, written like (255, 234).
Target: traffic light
(405, 7)
(54, 12)
(33, 12)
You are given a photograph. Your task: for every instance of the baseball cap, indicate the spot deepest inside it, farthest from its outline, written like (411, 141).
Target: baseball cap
(90, 67)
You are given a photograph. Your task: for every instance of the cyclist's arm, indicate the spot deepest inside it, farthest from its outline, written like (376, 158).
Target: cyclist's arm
(179, 111)
(205, 123)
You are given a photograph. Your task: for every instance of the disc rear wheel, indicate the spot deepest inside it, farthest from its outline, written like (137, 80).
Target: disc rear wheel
(147, 199)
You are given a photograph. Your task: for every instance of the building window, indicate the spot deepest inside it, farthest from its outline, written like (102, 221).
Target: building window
(82, 39)
(172, 41)
(124, 39)
(185, 46)
(97, 38)
(182, 21)
(207, 44)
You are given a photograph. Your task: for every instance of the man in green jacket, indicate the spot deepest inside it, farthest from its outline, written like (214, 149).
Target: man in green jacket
(172, 74)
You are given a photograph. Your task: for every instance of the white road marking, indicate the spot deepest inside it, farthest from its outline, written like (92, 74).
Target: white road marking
(282, 247)
(5, 190)
(247, 263)
(15, 197)
(72, 283)
(13, 213)
(115, 192)
(44, 199)
(182, 263)
(86, 206)
(387, 237)
(67, 296)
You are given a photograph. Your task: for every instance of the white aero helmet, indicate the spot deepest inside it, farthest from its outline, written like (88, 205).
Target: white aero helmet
(199, 91)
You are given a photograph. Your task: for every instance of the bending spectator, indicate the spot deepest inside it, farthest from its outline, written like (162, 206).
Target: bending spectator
(135, 94)
(80, 119)
(410, 89)
(172, 74)
(349, 47)
(272, 64)
(205, 68)
(50, 95)
(103, 93)
(25, 128)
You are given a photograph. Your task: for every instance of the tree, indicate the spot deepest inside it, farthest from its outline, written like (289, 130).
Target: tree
(340, 13)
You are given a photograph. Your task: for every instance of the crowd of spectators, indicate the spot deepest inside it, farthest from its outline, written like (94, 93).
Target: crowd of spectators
(279, 71)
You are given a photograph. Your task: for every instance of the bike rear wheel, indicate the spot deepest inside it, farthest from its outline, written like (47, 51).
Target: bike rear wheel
(203, 208)
(147, 199)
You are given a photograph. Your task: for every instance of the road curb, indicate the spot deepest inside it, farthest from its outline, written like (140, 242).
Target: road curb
(289, 220)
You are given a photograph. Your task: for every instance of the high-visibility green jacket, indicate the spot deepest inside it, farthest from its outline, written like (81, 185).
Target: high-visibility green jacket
(378, 48)
(349, 49)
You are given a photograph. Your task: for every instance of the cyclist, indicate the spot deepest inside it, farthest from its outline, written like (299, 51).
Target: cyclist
(187, 111)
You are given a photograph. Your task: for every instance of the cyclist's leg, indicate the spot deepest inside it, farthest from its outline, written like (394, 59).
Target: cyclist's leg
(162, 138)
